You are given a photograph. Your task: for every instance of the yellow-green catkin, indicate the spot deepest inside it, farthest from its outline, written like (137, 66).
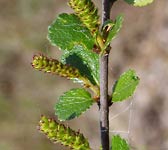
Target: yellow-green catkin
(42, 63)
(87, 12)
(57, 132)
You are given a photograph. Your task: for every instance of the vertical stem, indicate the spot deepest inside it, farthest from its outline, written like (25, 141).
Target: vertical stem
(104, 107)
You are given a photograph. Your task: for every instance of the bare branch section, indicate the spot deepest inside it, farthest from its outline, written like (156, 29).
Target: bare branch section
(104, 107)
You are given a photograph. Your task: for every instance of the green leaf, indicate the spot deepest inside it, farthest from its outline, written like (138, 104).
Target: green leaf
(73, 103)
(87, 62)
(139, 3)
(119, 144)
(69, 34)
(125, 86)
(115, 28)
(68, 31)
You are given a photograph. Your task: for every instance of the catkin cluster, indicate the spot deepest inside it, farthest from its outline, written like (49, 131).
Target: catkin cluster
(87, 12)
(65, 135)
(41, 62)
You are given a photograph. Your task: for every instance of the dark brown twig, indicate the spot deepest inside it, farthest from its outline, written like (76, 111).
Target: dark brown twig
(104, 104)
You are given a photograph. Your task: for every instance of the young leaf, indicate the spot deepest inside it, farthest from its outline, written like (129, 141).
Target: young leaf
(114, 28)
(87, 62)
(125, 86)
(119, 144)
(68, 31)
(73, 103)
(139, 3)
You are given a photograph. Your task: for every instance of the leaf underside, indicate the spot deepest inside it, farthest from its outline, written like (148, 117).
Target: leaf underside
(73, 103)
(115, 29)
(139, 3)
(119, 144)
(125, 86)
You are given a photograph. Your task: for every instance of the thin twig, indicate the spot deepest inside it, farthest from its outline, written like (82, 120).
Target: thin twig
(104, 105)
(104, 108)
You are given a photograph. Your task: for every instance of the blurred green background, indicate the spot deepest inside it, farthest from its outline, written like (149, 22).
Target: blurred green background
(25, 93)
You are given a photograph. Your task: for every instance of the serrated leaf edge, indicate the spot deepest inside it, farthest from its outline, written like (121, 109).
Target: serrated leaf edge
(80, 113)
(127, 97)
